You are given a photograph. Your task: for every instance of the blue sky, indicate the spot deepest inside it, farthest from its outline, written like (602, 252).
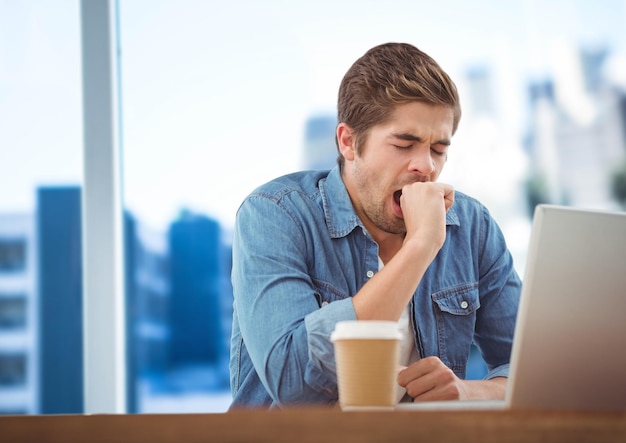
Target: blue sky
(215, 93)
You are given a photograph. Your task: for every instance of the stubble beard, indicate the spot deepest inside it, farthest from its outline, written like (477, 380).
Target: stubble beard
(383, 221)
(376, 210)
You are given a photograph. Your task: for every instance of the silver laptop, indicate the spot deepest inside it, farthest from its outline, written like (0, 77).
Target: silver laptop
(569, 348)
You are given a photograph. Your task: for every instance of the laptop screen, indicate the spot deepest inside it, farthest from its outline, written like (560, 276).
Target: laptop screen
(569, 349)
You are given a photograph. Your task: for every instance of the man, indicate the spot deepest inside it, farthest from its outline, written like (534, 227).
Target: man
(375, 238)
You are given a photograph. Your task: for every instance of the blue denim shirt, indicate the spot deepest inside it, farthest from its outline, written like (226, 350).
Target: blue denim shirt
(300, 253)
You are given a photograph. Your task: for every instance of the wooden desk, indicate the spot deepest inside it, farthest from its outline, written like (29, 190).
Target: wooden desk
(319, 425)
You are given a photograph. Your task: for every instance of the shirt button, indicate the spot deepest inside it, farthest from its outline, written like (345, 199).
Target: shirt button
(370, 274)
(324, 303)
(464, 304)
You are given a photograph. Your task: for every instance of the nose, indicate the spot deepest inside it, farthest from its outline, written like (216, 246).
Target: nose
(422, 163)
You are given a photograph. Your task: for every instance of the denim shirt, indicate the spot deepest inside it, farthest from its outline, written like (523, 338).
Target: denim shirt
(300, 253)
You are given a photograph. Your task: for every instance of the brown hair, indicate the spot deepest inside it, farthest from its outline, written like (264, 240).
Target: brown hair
(388, 75)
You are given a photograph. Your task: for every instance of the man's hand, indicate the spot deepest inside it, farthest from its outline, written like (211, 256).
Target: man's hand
(429, 379)
(424, 208)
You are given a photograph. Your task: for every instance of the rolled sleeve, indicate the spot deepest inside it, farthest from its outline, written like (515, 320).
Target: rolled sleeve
(319, 326)
(500, 371)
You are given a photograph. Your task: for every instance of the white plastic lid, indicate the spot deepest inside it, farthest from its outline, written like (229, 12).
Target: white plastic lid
(366, 329)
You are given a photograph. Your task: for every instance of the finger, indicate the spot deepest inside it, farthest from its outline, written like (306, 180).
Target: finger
(421, 388)
(418, 369)
(437, 385)
(448, 197)
(429, 379)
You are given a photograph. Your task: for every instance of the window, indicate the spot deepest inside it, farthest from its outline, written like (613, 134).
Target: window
(12, 255)
(12, 369)
(218, 97)
(13, 313)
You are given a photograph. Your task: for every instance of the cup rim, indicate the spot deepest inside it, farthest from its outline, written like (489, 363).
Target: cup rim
(366, 329)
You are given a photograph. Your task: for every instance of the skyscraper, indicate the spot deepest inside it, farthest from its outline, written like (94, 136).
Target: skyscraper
(60, 300)
(195, 252)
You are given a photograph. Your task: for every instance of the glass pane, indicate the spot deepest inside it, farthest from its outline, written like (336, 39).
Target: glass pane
(40, 178)
(219, 97)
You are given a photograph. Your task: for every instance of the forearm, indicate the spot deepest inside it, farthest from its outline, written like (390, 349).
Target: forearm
(493, 389)
(387, 293)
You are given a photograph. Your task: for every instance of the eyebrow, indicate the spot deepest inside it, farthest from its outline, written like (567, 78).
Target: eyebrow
(414, 138)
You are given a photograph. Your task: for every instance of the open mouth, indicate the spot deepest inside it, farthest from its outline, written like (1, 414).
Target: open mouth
(396, 197)
(397, 207)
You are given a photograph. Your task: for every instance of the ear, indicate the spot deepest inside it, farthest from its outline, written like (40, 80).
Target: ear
(345, 140)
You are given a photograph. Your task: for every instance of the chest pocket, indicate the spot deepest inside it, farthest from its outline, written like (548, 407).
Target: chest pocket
(455, 311)
(458, 300)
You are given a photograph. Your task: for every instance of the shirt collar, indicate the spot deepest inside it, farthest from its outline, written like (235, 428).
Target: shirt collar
(341, 219)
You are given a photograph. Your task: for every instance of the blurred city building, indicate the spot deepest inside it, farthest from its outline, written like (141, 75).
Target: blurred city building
(18, 315)
(194, 249)
(179, 308)
(147, 289)
(577, 135)
(59, 296)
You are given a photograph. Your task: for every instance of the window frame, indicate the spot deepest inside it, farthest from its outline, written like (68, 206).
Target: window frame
(102, 220)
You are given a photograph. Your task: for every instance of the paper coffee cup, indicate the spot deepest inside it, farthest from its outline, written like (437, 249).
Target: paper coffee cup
(366, 354)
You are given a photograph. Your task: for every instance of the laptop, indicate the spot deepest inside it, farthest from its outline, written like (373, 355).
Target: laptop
(569, 347)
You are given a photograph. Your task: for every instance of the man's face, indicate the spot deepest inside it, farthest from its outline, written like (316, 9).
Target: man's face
(411, 147)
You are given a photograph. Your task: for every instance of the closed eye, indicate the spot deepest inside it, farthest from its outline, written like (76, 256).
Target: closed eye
(439, 153)
(403, 148)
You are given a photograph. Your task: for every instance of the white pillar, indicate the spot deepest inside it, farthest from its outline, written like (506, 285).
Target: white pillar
(103, 289)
